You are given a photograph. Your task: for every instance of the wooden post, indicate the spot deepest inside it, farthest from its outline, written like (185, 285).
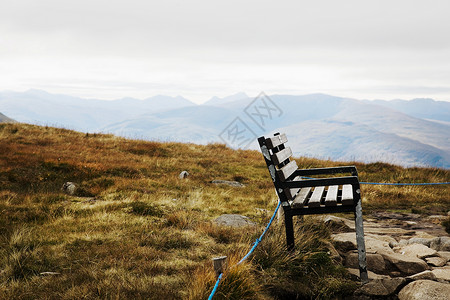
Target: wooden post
(360, 243)
(219, 264)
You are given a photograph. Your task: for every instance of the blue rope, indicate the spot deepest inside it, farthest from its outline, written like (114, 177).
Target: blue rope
(215, 287)
(255, 244)
(386, 183)
(380, 183)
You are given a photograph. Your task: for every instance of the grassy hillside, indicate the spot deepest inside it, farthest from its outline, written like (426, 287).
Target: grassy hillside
(135, 230)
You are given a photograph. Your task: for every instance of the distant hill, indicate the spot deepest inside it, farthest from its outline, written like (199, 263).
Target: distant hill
(5, 119)
(408, 133)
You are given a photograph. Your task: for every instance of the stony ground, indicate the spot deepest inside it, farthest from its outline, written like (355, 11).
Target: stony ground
(408, 255)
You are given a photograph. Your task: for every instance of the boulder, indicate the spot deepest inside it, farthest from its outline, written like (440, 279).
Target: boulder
(416, 250)
(416, 240)
(440, 243)
(442, 273)
(375, 262)
(425, 289)
(347, 241)
(381, 287)
(355, 274)
(234, 220)
(444, 254)
(407, 265)
(436, 261)
(422, 275)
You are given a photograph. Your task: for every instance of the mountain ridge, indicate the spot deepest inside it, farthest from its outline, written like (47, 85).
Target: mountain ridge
(331, 127)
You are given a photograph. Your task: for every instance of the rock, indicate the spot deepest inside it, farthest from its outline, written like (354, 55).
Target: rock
(416, 240)
(422, 275)
(375, 262)
(230, 183)
(69, 188)
(381, 287)
(425, 289)
(416, 250)
(347, 241)
(234, 220)
(442, 273)
(440, 243)
(344, 241)
(355, 274)
(444, 254)
(407, 265)
(333, 253)
(337, 224)
(183, 175)
(436, 261)
(49, 273)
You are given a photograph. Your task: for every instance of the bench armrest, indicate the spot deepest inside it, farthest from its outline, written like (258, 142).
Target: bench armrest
(353, 180)
(321, 171)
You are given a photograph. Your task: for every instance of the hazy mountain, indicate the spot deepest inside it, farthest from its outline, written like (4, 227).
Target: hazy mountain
(5, 119)
(40, 107)
(223, 101)
(317, 125)
(420, 108)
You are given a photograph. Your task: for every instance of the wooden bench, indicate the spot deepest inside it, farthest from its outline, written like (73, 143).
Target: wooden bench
(306, 196)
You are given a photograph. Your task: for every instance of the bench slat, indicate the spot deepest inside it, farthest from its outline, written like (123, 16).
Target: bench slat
(290, 193)
(316, 196)
(301, 198)
(287, 170)
(347, 194)
(281, 156)
(331, 198)
(276, 141)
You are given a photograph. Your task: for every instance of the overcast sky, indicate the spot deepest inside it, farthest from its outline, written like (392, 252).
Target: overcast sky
(109, 49)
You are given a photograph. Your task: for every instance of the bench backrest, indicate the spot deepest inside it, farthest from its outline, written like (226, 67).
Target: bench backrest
(279, 161)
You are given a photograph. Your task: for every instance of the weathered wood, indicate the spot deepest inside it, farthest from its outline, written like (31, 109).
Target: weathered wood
(302, 198)
(287, 170)
(281, 156)
(290, 193)
(316, 196)
(360, 244)
(276, 141)
(219, 264)
(331, 198)
(347, 194)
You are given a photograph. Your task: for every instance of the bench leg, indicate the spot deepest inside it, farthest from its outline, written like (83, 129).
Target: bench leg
(289, 231)
(360, 243)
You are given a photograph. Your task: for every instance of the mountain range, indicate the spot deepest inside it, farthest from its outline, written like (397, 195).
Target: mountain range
(408, 133)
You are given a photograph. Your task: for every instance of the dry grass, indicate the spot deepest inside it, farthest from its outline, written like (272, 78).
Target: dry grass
(135, 230)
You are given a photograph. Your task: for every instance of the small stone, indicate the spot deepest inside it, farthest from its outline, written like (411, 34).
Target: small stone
(183, 175)
(49, 273)
(425, 289)
(436, 261)
(69, 188)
